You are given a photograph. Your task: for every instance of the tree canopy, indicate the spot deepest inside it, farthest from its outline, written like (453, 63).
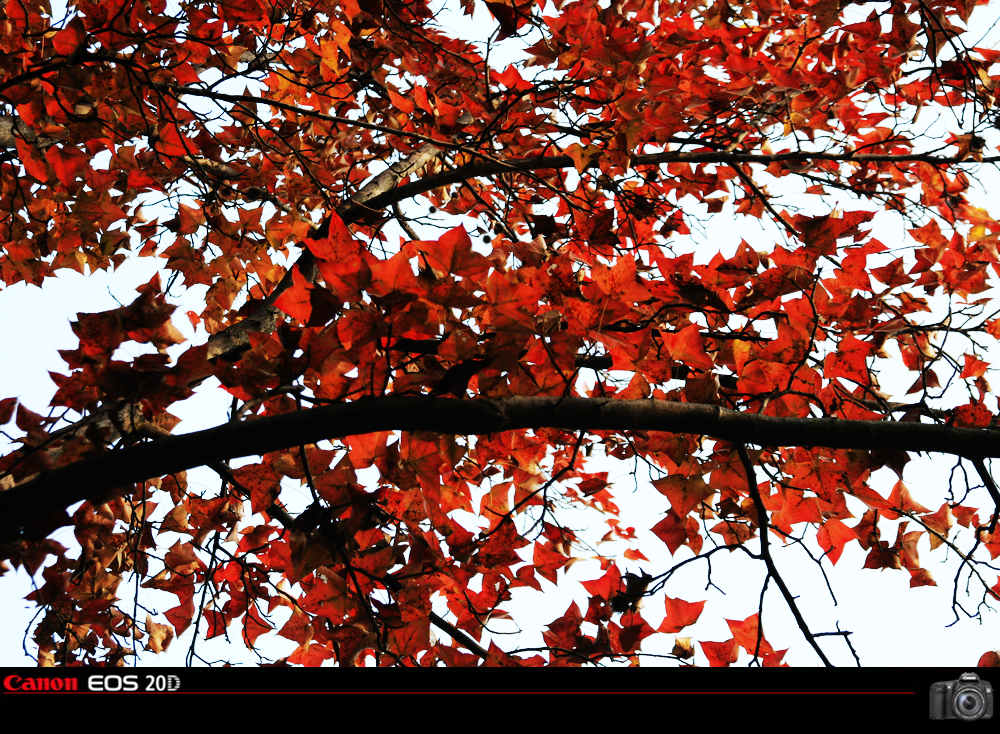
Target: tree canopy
(447, 273)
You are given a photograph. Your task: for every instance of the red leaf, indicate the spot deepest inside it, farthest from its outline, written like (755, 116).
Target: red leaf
(7, 406)
(297, 628)
(688, 346)
(605, 587)
(746, 634)
(67, 163)
(680, 614)
(721, 654)
(254, 625)
(972, 415)
(833, 536)
(367, 448)
(849, 361)
(295, 300)
(68, 40)
(989, 659)
(32, 161)
(310, 655)
(261, 481)
(508, 15)
(901, 499)
(547, 560)
(676, 531)
(181, 615)
(974, 367)
(329, 598)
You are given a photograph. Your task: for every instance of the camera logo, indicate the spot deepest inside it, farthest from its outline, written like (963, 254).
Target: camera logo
(967, 698)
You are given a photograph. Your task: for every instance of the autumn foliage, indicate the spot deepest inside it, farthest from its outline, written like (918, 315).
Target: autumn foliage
(448, 272)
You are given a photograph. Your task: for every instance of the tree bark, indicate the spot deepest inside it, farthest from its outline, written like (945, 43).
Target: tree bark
(37, 506)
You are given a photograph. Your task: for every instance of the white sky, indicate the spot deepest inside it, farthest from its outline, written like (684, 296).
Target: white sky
(892, 624)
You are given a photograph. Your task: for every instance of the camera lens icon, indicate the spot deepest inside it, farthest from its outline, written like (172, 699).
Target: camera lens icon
(970, 704)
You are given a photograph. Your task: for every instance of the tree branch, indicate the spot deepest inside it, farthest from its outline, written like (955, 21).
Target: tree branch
(264, 317)
(37, 506)
(772, 570)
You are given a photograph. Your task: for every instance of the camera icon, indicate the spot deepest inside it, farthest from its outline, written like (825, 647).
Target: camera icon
(967, 698)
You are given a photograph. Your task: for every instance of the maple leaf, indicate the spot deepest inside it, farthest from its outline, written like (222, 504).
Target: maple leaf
(748, 635)
(295, 301)
(328, 596)
(676, 531)
(833, 536)
(261, 481)
(367, 449)
(547, 560)
(159, 636)
(900, 499)
(180, 616)
(311, 655)
(254, 625)
(850, 361)
(688, 346)
(509, 15)
(685, 493)
(721, 654)
(606, 586)
(680, 614)
(68, 39)
(297, 628)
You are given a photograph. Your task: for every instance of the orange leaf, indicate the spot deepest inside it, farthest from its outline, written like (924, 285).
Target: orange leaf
(974, 367)
(747, 635)
(605, 587)
(901, 499)
(721, 654)
(833, 536)
(295, 300)
(688, 346)
(680, 614)
(684, 493)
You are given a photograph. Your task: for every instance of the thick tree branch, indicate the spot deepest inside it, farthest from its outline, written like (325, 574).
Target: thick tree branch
(35, 507)
(554, 162)
(385, 190)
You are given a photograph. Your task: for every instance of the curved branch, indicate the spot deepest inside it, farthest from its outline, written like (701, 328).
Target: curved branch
(37, 506)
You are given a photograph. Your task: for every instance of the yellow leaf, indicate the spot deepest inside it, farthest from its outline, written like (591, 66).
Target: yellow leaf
(160, 635)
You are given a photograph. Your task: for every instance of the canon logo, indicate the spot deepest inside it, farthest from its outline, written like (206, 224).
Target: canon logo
(31, 684)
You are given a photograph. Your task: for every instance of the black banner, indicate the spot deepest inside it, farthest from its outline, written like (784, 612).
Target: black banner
(901, 695)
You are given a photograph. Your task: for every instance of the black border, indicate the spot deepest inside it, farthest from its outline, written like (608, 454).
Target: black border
(842, 695)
